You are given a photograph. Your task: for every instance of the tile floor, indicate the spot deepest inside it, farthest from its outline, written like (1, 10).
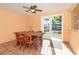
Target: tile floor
(9, 48)
(50, 46)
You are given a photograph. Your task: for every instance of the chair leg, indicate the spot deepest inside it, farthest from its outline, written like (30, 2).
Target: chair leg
(17, 43)
(20, 45)
(29, 48)
(35, 46)
(24, 47)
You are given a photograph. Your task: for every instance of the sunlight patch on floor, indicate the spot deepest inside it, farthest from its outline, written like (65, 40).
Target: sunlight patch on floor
(46, 48)
(60, 48)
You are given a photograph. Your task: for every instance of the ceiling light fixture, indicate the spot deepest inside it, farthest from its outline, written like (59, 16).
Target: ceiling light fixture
(32, 10)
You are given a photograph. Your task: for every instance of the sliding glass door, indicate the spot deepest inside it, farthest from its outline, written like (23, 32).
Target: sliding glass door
(52, 24)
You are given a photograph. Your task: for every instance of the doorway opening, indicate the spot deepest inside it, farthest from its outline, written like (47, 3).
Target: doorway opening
(52, 26)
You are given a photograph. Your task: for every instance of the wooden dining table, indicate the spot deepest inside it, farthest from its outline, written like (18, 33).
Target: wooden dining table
(36, 36)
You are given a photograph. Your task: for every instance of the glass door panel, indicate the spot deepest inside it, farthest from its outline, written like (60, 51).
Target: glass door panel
(57, 26)
(46, 25)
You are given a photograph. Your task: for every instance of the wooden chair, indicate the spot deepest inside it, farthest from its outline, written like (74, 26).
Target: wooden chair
(28, 41)
(40, 36)
(19, 39)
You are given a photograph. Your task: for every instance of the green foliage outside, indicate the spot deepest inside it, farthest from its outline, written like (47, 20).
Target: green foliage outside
(57, 20)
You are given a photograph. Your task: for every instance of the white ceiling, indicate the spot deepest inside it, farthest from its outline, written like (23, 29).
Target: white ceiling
(46, 7)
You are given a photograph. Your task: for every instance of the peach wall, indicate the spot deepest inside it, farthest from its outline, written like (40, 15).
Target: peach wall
(34, 22)
(11, 22)
(74, 41)
(66, 32)
(74, 36)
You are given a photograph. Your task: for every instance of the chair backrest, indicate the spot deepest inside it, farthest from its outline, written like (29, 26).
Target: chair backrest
(19, 35)
(28, 38)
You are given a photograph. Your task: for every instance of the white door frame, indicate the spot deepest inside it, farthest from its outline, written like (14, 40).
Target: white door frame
(52, 16)
(43, 22)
